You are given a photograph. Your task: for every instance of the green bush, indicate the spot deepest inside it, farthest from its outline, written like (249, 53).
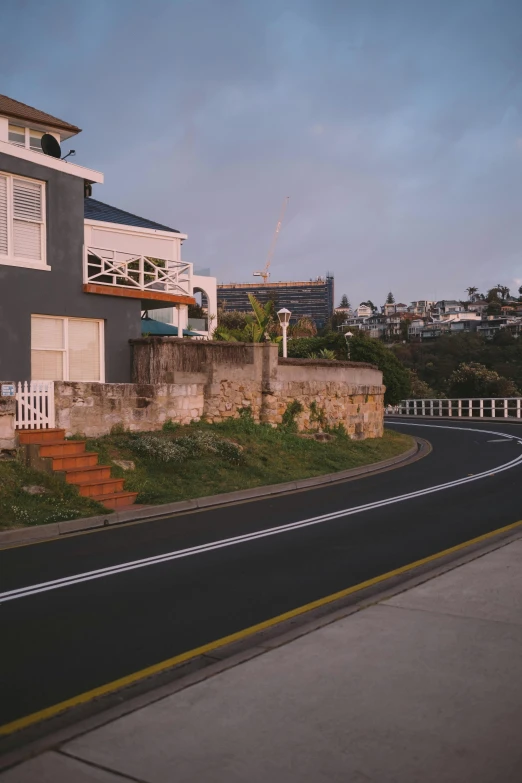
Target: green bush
(394, 375)
(293, 409)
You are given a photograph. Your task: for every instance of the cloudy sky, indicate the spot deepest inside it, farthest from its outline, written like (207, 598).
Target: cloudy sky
(395, 126)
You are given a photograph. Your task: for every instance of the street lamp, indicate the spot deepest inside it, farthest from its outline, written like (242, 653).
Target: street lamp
(284, 320)
(348, 336)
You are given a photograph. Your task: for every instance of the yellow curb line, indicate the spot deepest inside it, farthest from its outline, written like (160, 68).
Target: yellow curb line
(157, 668)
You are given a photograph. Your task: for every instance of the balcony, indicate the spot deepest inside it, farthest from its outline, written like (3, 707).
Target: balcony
(152, 280)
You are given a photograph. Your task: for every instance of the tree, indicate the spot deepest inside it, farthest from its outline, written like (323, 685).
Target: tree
(260, 322)
(304, 327)
(256, 327)
(420, 389)
(494, 308)
(390, 299)
(395, 376)
(345, 302)
(475, 380)
(503, 292)
(196, 311)
(472, 290)
(369, 304)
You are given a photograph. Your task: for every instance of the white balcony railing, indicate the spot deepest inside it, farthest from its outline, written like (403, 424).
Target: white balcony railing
(484, 407)
(103, 266)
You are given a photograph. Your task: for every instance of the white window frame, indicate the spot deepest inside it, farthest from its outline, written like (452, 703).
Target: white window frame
(10, 259)
(27, 136)
(65, 350)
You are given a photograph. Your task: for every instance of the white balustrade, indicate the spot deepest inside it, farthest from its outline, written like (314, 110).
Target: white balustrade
(103, 266)
(463, 407)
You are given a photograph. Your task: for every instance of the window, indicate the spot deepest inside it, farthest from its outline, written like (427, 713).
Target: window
(22, 222)
(17, 135)
(66, 349)
(25, 137)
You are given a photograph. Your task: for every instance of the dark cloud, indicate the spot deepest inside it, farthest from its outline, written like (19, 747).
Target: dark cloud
(395, 127)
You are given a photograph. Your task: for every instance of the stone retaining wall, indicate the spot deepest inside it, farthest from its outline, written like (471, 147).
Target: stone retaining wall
(7, 423)
(184, 380)
(94, 409)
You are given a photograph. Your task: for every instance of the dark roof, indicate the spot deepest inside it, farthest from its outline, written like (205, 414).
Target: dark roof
(97, 210)
(22, 111)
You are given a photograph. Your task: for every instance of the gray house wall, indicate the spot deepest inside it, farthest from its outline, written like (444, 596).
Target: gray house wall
(24, 292)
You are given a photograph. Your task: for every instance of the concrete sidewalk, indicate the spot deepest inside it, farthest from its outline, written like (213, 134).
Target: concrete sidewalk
(425, 686)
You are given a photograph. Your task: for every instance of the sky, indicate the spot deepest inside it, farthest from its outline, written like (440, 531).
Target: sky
(395, 126)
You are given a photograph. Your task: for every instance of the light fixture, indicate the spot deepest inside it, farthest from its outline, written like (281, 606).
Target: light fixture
(284, 320)
(348, 336)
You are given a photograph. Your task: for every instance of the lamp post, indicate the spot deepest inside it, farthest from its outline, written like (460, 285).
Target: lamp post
(348, 336)
(284, 320)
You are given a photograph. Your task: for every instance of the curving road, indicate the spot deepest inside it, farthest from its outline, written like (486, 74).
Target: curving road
(80, 612)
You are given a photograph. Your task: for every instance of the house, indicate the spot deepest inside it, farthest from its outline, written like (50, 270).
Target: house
(363, 311)
(447, 307)
(421, 307)
(75, 273)
(395, 307)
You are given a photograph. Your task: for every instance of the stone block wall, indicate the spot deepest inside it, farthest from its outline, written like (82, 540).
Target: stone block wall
(184, 380)
(93, 409)
(331, 394)
(7, 423)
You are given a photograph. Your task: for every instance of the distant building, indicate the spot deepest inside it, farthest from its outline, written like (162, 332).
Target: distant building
(421, 307)
(313, 299)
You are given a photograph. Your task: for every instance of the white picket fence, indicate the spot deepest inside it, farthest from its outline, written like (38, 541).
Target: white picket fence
(485, 407)
(35, 405)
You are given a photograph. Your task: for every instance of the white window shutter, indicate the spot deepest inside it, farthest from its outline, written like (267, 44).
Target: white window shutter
(47, 365)
(47, 333)
(47, 348)
(3, 216)
(27, 219)
(84, 350)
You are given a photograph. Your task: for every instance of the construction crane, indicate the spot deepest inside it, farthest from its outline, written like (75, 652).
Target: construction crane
(265, 274)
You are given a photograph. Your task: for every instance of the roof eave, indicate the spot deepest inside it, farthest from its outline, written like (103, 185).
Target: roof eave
(173, 234)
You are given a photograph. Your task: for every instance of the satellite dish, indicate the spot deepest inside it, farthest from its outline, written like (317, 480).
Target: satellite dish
(50, 146)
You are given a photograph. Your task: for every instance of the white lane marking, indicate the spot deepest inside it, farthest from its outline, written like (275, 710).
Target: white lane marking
(498, 440)
(100, 573)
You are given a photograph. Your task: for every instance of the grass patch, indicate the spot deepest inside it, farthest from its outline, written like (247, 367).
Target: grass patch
(184, 462)
(265, 456)
(59, 502)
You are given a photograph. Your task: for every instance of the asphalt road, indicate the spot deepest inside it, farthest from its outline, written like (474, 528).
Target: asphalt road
(202, 584)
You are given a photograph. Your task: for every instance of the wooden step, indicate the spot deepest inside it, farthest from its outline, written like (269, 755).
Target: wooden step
(40, 436)
(62, 448)
(100, 488)
(117, 499)
(88, 473)
(85, 460)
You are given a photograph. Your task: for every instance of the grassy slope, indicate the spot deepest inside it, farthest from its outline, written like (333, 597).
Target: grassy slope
(269, 456)
(61, 501)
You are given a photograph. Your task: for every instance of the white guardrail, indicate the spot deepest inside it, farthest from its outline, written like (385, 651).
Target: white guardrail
(483, 407)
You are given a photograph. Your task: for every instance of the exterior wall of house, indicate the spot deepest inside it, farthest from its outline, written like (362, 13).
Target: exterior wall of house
(59, 291)
(184, 380)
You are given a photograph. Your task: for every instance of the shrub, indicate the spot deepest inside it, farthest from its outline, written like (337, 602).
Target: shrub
(475, 380)
(178, 450)
(293, 409)
(170, 426)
